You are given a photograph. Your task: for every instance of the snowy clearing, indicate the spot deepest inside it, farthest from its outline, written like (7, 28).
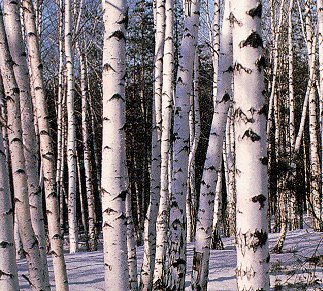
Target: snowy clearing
(300, 267)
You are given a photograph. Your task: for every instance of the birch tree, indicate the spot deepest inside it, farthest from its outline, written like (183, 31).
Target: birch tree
(194, 140)
(8, 267)
(251, 153)
(167, 111)
(29, 241)
(71, 131)
(293, 203)
(60, 107)
(152, 212)
(319, 4)
(87, 155)
(17, 49)
(216, 241)
(131, 244)
(46, 149)
(177, 223)
(213, 160)
(114, 185)
(313, 134)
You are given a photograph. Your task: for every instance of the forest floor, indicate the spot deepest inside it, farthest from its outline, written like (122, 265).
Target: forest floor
(299, 267)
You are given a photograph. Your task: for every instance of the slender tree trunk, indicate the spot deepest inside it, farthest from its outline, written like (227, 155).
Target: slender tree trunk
(216, 241)
(114, 184)
(251, 149)
(8, 267)
(46, 150)
(71, 131)
(17, 49)
(148, 264)
(294, 221)
(319, 4)
(87, 156)
(276, 35)
(167, 111)
(194, 144)
(229, 167)
(177, 223)
(313, 134)
(131, 244)
(189, 199)
(62, 196)
(315, 160)
(60, 106)
(18, 244)
(30, 244)
(212, 166)
(82, 203)
(275, 62)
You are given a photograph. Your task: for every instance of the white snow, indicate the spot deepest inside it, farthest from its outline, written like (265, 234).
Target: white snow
(289, 270)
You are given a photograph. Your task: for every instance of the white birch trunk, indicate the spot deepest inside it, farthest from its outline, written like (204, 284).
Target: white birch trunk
(62, 191)
(18, 54)
(29, 241)
(87, 156)
(194, 145)
(146, 276)
(114, 183)
(294, 221)
(315, 160)
(315, 175)
(8, 267)
(212, 166)
(60, 105)
(131, 245)
(71, 131)
(320, 88)
(229, 167)
(189, 200)
(18, 244)
(46, 150)
(82, 204)
(177, 223)
(216, 241)
(167, 110)
(275, 62)
(251, 149)
(319, 4)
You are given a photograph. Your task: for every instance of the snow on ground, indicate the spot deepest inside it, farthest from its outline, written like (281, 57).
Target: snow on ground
(300, 267)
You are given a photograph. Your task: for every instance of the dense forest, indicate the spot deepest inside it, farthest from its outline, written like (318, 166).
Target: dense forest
(153, 125)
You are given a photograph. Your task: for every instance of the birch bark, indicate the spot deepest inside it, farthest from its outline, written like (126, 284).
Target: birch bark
(60, 106)
(71, 131)
(87, 155)
(148, 264)
(177, 223)
(192, 155)
(213, 160)
(131, 244)
(319, 4)
(216, 241)
(29, 241)
(114, 183)
(8, 267)
(167, 111)
(46, 150)
(294, 221)
(18, 54)
(251, 149)
(313, 134)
